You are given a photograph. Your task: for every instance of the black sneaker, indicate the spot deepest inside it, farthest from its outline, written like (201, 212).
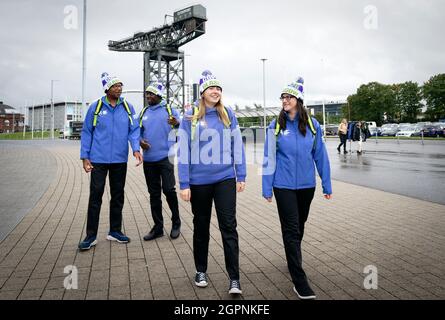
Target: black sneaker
(338, 149)
(235, 287)
(87, 243)
(176, 231)
(304, 291)
(201, 279)
(153, 234)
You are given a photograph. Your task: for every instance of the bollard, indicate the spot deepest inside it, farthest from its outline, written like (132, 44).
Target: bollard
(421, 134)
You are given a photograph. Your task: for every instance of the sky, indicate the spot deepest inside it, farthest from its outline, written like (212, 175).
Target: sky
(336, 46)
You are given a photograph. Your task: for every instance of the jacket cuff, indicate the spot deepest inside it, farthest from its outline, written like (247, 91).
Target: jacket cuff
(327, 190)
(84, 155)
(267, 194)
(184, 185)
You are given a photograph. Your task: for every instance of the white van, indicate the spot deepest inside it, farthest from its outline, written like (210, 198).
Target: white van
(371, 124)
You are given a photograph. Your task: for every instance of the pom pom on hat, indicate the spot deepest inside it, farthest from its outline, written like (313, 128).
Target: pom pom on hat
(208, 80)
(109, 81)
(295, 89)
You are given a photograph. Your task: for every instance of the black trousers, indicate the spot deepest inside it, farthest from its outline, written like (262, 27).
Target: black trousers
(160, 176)
(117, 174)
(224, 195)
(343, 138)
(293, 209)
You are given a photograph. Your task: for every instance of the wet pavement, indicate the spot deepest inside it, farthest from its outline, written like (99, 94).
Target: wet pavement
(406, 168)
(26, 172)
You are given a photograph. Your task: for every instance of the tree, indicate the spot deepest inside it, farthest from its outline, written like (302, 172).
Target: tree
(433, 92)
(372, 102)
(319, 117)
(408, 103)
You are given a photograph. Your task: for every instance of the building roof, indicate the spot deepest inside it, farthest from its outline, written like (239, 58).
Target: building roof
(5, 109)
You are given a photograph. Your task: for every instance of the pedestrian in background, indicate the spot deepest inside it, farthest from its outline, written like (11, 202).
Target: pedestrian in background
(342, 134)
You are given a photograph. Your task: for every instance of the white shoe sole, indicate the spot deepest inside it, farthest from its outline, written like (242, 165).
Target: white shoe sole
(312, 297)
(235, 291)
(91, 245)
(201, 284)
(114, 239)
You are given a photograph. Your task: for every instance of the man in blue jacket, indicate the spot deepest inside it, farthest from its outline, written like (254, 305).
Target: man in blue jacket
(109, 125)
(158, 122)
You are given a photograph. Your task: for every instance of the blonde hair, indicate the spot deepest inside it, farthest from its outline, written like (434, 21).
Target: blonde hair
(219, 108)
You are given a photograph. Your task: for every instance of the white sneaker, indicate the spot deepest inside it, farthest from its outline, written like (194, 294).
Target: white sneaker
(201, 279)
(235, 287)
(306, 293)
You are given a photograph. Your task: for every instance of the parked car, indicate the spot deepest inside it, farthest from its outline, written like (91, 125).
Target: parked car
(331, 130)
(418, 129)
(390, 129)
(406, 130)
(375, 131)
(433, 131)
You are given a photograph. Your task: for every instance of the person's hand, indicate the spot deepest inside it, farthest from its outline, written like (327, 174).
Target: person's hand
(138, 157)
(185, 194)
(240, 186)
(87, 166)
(144, 144)
(269, 199)
(172, 121)
(328, 196)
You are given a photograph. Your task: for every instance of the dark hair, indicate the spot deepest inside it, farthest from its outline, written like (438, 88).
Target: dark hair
(302, 118)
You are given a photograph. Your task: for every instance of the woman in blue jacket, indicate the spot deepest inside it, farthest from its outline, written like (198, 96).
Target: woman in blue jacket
(293, 148)
(212, 168)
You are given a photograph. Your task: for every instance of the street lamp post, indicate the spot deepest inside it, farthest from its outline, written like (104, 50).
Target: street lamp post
(84, 48)
(43, 118)
(52, 108)
(324, 116)
(32, 123)
(264, 94)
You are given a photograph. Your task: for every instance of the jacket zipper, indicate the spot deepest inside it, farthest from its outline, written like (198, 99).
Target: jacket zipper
(112, 135)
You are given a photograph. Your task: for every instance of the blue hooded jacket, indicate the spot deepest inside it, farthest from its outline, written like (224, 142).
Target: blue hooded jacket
(292, 166)
(156, 130)
(214, 154)
(108, 142)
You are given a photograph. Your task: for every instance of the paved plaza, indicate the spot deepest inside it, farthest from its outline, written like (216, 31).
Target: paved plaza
(401, 238)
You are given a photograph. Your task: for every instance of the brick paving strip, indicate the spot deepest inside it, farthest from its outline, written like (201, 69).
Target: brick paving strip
(402, 237)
